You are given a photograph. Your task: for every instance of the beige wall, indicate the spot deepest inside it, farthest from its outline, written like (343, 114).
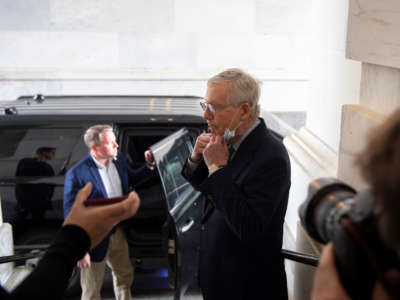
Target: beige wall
(373, 38)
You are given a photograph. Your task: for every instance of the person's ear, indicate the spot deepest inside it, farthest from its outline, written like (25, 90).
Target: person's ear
(245, 111)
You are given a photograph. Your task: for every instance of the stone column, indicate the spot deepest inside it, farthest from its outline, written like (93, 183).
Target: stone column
(373, 38)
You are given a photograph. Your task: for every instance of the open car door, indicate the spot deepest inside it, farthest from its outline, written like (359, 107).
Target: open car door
(184, 208)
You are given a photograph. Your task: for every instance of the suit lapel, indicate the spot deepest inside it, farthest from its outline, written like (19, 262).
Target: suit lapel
(244, 155)
(94, 172)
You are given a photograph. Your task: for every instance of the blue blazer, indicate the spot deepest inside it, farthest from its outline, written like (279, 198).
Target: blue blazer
(86, 170)
(242, 231)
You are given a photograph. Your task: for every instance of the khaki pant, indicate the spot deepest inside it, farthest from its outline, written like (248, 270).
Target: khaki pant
(117, 259)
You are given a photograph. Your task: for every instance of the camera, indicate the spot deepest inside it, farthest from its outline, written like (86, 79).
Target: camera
(335, 212)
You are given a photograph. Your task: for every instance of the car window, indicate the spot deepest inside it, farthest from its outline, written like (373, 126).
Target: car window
(171, 154)
(33, 162)
(36, 143)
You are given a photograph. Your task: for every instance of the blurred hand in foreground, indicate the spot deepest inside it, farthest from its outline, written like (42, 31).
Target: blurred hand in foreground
(97, 221)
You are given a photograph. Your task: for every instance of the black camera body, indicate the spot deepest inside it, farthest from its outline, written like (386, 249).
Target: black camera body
(334, 211)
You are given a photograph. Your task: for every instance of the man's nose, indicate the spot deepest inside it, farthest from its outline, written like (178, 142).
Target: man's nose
(115, 145)
(207, 115)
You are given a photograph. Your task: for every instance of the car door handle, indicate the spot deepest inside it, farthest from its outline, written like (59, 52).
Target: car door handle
(187, 226)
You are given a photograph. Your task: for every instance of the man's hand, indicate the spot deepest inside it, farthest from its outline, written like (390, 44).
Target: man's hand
(148, 156)
(216, 152)
(327, 285)
(84, 262)
(201, 142)
(97, 221)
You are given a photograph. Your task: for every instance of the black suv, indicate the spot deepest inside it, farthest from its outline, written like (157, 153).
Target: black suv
(165, 231)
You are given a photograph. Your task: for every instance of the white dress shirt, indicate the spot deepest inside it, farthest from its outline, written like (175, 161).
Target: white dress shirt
(110, 177)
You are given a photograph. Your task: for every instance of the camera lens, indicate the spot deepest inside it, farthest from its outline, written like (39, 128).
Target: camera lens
(328, 200)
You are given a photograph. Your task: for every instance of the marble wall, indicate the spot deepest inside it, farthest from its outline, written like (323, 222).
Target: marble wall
(175, 34)
(169, 47)
(373, 32)
(373, 39)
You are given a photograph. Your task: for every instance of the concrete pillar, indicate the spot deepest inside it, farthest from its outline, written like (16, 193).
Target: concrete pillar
(357, 121)
(372, 38)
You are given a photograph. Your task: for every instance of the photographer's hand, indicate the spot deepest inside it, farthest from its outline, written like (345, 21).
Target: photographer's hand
(327, 285)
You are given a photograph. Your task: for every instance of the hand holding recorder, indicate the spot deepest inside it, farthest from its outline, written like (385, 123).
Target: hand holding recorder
(88, 216)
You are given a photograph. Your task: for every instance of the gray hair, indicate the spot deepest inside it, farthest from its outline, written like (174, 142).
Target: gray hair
(92, 135)
(243, 88)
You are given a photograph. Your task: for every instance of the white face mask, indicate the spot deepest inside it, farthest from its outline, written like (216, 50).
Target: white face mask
(230, 134)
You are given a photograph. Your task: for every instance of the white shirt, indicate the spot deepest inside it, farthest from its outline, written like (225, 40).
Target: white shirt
(110, 178)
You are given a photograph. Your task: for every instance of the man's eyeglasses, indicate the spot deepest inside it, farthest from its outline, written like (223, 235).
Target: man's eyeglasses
(204, 105)
(212, 108)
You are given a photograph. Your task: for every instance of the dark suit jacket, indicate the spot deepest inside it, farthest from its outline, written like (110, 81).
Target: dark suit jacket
(86, 170)
(241, 239)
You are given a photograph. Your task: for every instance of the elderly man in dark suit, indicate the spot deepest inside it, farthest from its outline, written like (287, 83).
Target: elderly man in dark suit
(244, 172)
(108, 171)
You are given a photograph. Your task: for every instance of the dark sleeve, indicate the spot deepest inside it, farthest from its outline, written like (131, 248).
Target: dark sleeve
(71, 189)
(195, 176)
(49, 170)
(254, 204)
(24, 167)
(49, 279)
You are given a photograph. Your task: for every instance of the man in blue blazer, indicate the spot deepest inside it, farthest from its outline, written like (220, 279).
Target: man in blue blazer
(108, 171)
(244, 172)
